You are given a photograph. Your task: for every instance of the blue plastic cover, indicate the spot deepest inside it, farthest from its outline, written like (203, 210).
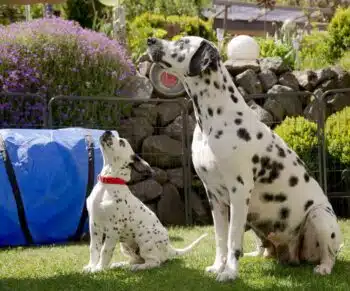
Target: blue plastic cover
(51, 168)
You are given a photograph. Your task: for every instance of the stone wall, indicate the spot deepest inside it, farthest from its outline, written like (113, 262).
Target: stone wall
(154, 130)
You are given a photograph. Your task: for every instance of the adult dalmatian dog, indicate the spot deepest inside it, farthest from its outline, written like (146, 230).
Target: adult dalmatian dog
(115, 214)
(250, 174)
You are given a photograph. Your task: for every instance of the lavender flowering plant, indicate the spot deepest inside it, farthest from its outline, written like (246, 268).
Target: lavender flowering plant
(53, 56)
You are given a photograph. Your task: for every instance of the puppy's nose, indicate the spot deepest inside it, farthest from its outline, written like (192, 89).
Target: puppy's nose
(107, 133)
(151, 41)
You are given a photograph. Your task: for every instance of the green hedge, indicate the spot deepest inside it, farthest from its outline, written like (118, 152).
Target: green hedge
(338, 136)
(301, 135)
(156, 25)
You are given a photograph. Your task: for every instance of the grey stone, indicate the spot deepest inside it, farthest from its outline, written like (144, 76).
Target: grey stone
(244, 93)
(167, 112)
(306, 79)
(236, 67)
(171, 209)
(160, 175)
(162, 151)
(153, 207)
(311, 112)
(291, 104)
(288, 79)
(267, 79)
(136, 177)
(325, 74)
(343, 77)
(146, 190)
(144, 58)
(275, 64)
(249, 81)
(262, 114)
(275, 108)
(137, 86)
(135, 130)
(175, 129)
(176, 177)
(338, 101)
(147, 111)
(198, 208)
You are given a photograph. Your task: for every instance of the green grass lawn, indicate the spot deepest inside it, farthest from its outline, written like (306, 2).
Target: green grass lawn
(58, 268)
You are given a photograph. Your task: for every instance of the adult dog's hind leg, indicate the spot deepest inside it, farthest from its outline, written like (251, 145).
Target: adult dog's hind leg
(220, 217)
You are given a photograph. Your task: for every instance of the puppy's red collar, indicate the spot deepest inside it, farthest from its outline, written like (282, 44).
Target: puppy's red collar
(111, 180)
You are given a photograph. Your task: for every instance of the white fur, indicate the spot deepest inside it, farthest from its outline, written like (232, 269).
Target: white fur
(228, 143)
(116, 213)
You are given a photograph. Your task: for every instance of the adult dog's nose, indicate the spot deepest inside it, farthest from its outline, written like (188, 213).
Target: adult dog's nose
(107, 133)
(151, 41)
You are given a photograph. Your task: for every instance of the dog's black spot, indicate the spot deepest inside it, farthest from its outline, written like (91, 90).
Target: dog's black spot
(181, 58)
(218, 134)
(122, 143)
(284, 212)
(281, 226)
(333, 235)
(238, 121)
(273, 136)
(281, 152)
(234, 189)
(289, 151)
(216, 85)
(259, 135)
(330, 211)
(269, 148)
(207, 81)
(293, 181)
(317, 244)
(280, 197)
(203, 169)
(234, 98)
(230, 89)
(173, 55)
(308, 204)
(255, 159)
(306, 177)
(265, 226)
(210, 111)
(219, 110)
(247, 201)
(295, 163)
(261, 173)
(240, 180)
(237, 254)
(267, 197)
(254, 171)
(223, 87)
(242, 133)
(225, 79)
(253, 216)
(240, 113)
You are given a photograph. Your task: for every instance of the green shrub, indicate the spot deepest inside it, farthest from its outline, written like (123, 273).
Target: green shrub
(344, 62)
(135, 8)
(339, 34)
(156, 25)
(314, 48)
(338, 136)
(301, 135)
(270, 48)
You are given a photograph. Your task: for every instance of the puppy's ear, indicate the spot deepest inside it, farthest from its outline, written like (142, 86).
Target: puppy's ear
(207, 56)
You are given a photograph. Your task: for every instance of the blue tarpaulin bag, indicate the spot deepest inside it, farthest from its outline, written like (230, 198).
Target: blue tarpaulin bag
(45, 177)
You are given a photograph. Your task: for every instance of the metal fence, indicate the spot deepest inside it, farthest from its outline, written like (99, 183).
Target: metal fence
(135, 119)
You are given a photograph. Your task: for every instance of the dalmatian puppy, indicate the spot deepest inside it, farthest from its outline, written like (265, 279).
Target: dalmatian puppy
(249, 173)
(115, 214)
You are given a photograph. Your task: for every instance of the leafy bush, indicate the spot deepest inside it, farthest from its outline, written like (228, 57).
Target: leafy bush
(157, 25)
(164, 7)
(301, 135)
(338, 136)
(271, 48)
(54, 56)
(344, 62)
(339, 34)
(314, 48)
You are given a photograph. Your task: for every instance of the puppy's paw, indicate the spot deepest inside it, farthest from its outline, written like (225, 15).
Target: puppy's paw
(228, 274)
(96, 269)
(323, 269)
(215, 268)
(253, 254)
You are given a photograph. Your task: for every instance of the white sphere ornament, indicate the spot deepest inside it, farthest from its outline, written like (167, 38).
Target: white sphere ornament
(243, 47)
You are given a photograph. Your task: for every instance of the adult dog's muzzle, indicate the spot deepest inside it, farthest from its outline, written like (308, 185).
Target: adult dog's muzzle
(141, 166)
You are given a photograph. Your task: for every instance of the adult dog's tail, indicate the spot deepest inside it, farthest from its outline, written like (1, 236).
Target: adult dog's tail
(173, 252)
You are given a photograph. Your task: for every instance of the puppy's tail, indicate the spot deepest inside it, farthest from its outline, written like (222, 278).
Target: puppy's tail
(173, 252)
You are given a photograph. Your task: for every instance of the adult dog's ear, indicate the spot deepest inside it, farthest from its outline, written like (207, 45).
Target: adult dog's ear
(205, 57)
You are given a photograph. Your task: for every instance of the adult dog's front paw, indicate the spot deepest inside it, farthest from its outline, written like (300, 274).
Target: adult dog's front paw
(215, 268)
(228, 274)
(87, 268)
(323, 269)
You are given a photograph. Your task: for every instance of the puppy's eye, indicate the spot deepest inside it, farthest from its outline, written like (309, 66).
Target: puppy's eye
(121, 143)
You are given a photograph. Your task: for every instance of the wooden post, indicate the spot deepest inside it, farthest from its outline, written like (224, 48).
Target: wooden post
(225, 19)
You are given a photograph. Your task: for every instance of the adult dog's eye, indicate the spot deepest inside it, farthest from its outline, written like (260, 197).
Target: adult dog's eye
(121, 143)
